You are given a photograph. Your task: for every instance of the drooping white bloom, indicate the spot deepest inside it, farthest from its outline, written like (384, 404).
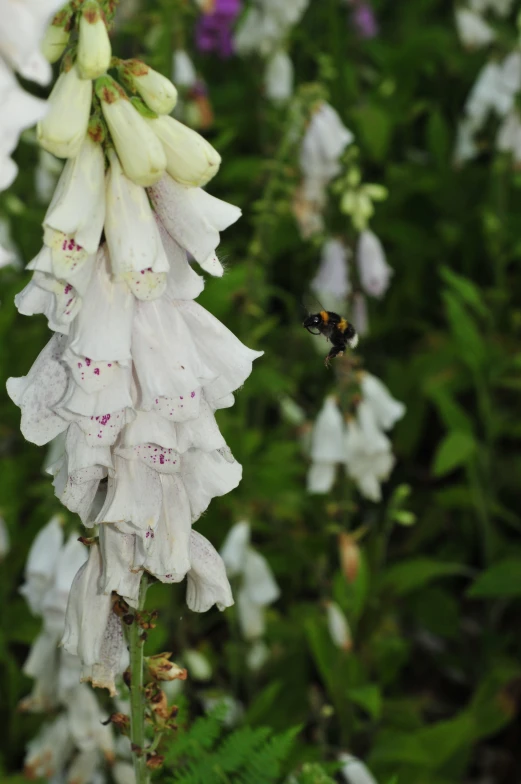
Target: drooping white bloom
(62, 131)
(41, 564)
(499, 7)
(324, 142)
(509, 136)
(266, 25)
(359, 314)
(258, 588)
(331, 283)
(207, 583)
(368, 456)
(386, 410)
(49, 751)
(94, 51)
(472, 28)
(278, 77)
(199, 667)
(327, 447)
(46, 176)
(338, 627)
(157, 91)
(375, 274)
(354, 771)
(21, 33)
(183, 71)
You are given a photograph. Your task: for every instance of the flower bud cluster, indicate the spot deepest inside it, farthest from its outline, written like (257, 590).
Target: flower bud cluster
(129, 383)
(358, 441)
(264, 30)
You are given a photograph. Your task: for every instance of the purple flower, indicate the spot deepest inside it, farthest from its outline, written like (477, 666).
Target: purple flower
(364, 19)
(213, 31)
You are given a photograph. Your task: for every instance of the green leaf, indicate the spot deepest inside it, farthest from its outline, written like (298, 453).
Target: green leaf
(438, 138)
(408, 576)
(454, 451)
(466, 289)
(375, 129)
(470, 343)
(369, 698)
(500, 579)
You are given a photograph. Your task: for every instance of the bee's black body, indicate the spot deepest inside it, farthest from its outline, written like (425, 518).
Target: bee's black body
(335, 328)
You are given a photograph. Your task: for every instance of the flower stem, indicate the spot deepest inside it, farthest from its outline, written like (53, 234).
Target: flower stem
(137, 702)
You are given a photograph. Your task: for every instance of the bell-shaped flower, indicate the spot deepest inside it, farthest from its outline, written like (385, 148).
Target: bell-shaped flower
(78, 205)
(278, 77)
(157, 91)
(87, 723)
(259, 583)
(338, 627)
(42, 665)
(48, 753)
(183, 71)
(123, 773)
(331, 283)
(94, 50)
(198, 665)
(207, 583)
(324, 142)
(118, 556)
(234, 549)
(92, 630)
(354, 771)
(41, 564)
(71, 558)
(360, 314)
(375, 274)
(386, 410)
(138, 148)
(62, 131)
(327, 439)
(509, 136)
(23, 28)
(192, 217)
(39, 392)
(257, 656)
(56, 299)
(190, 159)
(473, 31)
(20, 110)
(86, 768)
(132, 234)
(368, 456)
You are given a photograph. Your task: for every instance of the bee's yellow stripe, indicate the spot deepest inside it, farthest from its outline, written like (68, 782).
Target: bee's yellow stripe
(342, 325)
(325, 316)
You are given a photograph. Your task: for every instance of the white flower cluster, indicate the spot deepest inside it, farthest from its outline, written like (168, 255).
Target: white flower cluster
(74, 746)
(324, 141)
(360, 443)
(22, 27)
(131, 379)
(496, 89)
(332, 283)
(264, 30)
(257, 590)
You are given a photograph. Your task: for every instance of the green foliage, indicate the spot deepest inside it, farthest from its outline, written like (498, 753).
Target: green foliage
(204, 754)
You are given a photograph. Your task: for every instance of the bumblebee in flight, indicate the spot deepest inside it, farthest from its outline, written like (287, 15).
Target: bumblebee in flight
(335, 328)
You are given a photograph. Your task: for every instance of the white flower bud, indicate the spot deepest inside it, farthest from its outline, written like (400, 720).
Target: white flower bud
(199, 668)
(94, 50)
(190, 159)
(183, 71)
(157, 91)
(338, 627)
(139, 150)
(375, 273)
(63, 129)
(54, 42)
(278, 77)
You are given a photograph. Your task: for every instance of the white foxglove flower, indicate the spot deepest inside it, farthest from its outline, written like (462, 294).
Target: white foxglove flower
(472, 29)
(354, 771)
(62, 131)
(386, 410)
(375, 274)
(139, 150)
(191, 216)
(265, 26)
(338, 627)
(86, 768)
(86, 723)
(235, 547)
(324, 142)
(190, 159)
(41, 564)
(499, 7)
(368, 457)
(257, 656)
(465, 148)
(123, 772)
(132, 234)
(46, 176)
(509, 136)
(157, 91)
(207, 583)
(494, 90)
(183, 71)
(331, 283)
(71, 558)
(21, 34)
(359, 314)
(4, 539)
(78, 205)
(198, 666)
(94, 51)
(48, 752)
(327, 447)
(278, 77)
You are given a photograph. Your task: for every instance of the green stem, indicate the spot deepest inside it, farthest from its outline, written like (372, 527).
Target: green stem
(137, 701)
